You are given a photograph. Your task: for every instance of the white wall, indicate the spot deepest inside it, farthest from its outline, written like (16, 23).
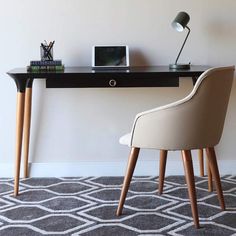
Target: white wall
(76, 131)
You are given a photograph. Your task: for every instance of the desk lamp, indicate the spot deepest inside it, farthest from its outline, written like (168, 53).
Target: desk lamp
(180, 23)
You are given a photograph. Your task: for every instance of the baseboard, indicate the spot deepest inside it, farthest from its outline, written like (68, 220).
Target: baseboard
(109, 168)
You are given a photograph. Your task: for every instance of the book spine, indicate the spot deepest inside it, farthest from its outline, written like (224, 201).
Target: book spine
(45, 68)
(46, 63)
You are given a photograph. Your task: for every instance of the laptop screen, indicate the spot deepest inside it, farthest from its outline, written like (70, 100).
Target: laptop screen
(110, 56)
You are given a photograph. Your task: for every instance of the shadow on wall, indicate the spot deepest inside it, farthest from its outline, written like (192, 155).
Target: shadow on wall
(38, 114)
(137, 58)
(220, 36)
(222, 30)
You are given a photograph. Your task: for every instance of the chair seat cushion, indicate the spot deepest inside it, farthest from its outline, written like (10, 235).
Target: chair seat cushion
(125, 139)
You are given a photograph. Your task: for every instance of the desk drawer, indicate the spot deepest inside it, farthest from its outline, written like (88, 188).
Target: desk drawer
(111, 82)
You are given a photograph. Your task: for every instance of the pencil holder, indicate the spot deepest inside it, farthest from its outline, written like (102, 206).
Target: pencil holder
(46, 52)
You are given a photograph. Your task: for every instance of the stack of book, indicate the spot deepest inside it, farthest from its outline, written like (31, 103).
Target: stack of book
(36, 66)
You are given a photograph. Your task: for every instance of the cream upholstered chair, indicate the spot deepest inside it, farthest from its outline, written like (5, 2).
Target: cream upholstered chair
(195, 122)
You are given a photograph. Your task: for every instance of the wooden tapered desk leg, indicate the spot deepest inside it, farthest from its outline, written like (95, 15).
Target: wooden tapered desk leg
(27, 118)
(19, 133)
(201, 162)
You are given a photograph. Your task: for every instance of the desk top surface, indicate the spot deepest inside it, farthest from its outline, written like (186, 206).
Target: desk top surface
(88, 70)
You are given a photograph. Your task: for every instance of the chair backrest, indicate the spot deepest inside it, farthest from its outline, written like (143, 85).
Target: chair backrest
(196, 121)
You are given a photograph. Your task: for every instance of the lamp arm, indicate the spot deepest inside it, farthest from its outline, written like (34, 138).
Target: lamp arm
(183, 44)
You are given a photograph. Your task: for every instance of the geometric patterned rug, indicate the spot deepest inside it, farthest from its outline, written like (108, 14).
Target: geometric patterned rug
(87, 206)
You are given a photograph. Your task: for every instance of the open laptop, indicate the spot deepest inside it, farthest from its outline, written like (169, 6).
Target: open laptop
(110, 57)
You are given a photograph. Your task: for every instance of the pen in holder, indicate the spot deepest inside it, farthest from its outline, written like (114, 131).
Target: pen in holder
(46, 51)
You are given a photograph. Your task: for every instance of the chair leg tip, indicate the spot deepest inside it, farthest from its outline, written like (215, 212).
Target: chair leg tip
(197, 225)
(118, 213)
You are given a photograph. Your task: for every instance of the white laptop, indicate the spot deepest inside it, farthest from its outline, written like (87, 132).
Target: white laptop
(110, 57)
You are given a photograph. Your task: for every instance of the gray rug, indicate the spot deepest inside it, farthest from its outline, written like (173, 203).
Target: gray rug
(87, 206)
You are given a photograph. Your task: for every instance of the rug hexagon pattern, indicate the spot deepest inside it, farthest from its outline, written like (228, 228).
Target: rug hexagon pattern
(87, 206)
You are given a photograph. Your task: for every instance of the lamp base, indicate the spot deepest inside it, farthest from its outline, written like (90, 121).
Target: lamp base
(179, 66)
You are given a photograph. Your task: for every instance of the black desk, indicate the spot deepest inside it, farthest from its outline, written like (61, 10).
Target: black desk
(84, 77)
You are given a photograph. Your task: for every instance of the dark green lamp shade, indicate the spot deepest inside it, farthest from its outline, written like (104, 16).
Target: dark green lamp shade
(180, 21)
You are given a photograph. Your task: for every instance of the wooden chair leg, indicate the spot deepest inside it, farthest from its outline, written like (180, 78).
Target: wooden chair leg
(27, 117)
(162, 168)
(201, 161)
(129, 173)
(188, 167)
(216, 176)
(19, 133)
(210, 187)
(201, 164)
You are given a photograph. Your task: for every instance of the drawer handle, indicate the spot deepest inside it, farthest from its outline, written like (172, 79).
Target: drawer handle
(112, 83)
